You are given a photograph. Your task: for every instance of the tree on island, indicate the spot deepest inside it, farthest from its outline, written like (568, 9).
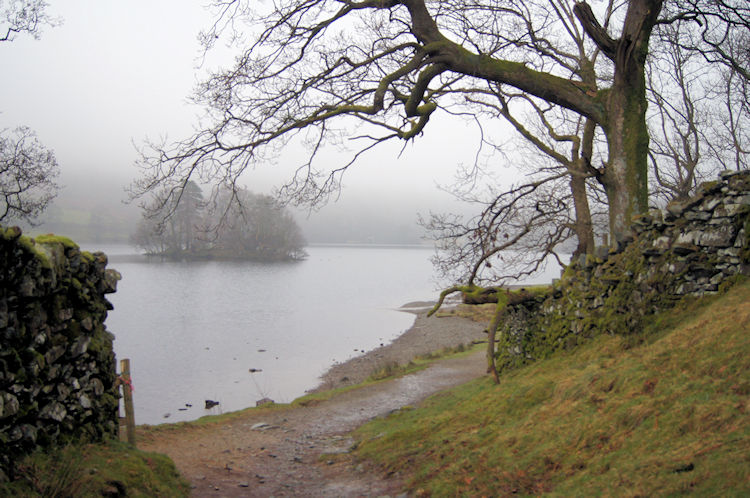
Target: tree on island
(255, 226)
(248, 226)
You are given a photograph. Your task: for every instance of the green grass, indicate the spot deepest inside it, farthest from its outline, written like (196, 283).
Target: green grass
(394, 369)
(110, 469)
(667, 415)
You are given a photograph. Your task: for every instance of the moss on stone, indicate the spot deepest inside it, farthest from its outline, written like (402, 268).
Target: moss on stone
(55, 339)
(708, 186)
(101, 341)
(612, 297)
(32, 249)
(57, 239)
(731, 282)
(10, 233)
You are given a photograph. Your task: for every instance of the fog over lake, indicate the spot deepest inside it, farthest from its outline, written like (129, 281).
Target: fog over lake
(192, 330)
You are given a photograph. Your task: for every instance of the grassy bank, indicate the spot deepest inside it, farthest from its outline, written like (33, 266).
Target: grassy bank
(666, 416)
(111, 469)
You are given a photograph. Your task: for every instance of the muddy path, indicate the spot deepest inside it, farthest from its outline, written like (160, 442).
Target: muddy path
(301, 450)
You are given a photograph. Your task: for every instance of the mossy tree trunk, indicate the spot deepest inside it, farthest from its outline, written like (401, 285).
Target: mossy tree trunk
(584, 227)
(625, 177)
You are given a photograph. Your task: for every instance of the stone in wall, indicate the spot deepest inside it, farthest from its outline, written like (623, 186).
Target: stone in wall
(57, 365)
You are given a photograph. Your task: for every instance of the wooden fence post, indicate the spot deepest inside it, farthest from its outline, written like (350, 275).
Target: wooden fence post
(127, 394)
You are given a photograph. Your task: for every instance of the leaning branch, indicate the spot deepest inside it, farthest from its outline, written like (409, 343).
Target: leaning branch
(596, 32)
(447, 292)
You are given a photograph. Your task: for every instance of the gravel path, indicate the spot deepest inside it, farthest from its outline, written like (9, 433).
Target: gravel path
(283, 451)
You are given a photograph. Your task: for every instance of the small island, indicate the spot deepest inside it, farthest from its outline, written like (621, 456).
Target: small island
(234, 223)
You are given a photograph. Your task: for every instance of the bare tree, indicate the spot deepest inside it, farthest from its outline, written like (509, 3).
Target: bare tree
(556, 151)
(721, 31)
(730, 139)
(698, 114)
(557, 147)
(677, 117)
(23, 16)
(27, 168)
(681, 90)
(313, 69)
(27, 173)
(509, 239)
(564, 138)
(730, 142)
(718, 32)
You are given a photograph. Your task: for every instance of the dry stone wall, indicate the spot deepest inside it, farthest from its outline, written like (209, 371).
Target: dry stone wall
(690, 248)
(57, 366)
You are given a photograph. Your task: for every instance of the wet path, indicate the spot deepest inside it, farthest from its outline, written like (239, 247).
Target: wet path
(278, 453)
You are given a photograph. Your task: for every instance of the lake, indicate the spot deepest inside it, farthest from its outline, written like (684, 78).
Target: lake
(193, 330)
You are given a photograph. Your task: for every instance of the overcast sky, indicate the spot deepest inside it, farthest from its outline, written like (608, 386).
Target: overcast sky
(116, 72)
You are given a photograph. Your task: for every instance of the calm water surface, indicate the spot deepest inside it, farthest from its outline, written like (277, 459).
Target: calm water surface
(193, 330)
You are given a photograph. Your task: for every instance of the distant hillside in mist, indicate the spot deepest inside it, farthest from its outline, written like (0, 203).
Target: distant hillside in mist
(97, 214)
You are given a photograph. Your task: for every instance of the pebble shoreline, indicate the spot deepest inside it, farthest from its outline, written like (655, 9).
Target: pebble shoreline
(427, 335)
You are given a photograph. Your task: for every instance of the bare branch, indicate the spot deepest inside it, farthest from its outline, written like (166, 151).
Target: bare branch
(24, 16)
(27, 173)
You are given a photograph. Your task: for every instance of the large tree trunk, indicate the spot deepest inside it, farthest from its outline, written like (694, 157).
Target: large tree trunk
(625, 178)
(625, 182)
(619, 110)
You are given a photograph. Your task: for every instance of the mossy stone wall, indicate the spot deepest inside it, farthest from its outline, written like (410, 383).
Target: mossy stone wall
(688, 249)
(57, 366)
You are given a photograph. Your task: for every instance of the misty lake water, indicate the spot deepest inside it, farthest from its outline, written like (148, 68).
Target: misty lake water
(193, 330)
